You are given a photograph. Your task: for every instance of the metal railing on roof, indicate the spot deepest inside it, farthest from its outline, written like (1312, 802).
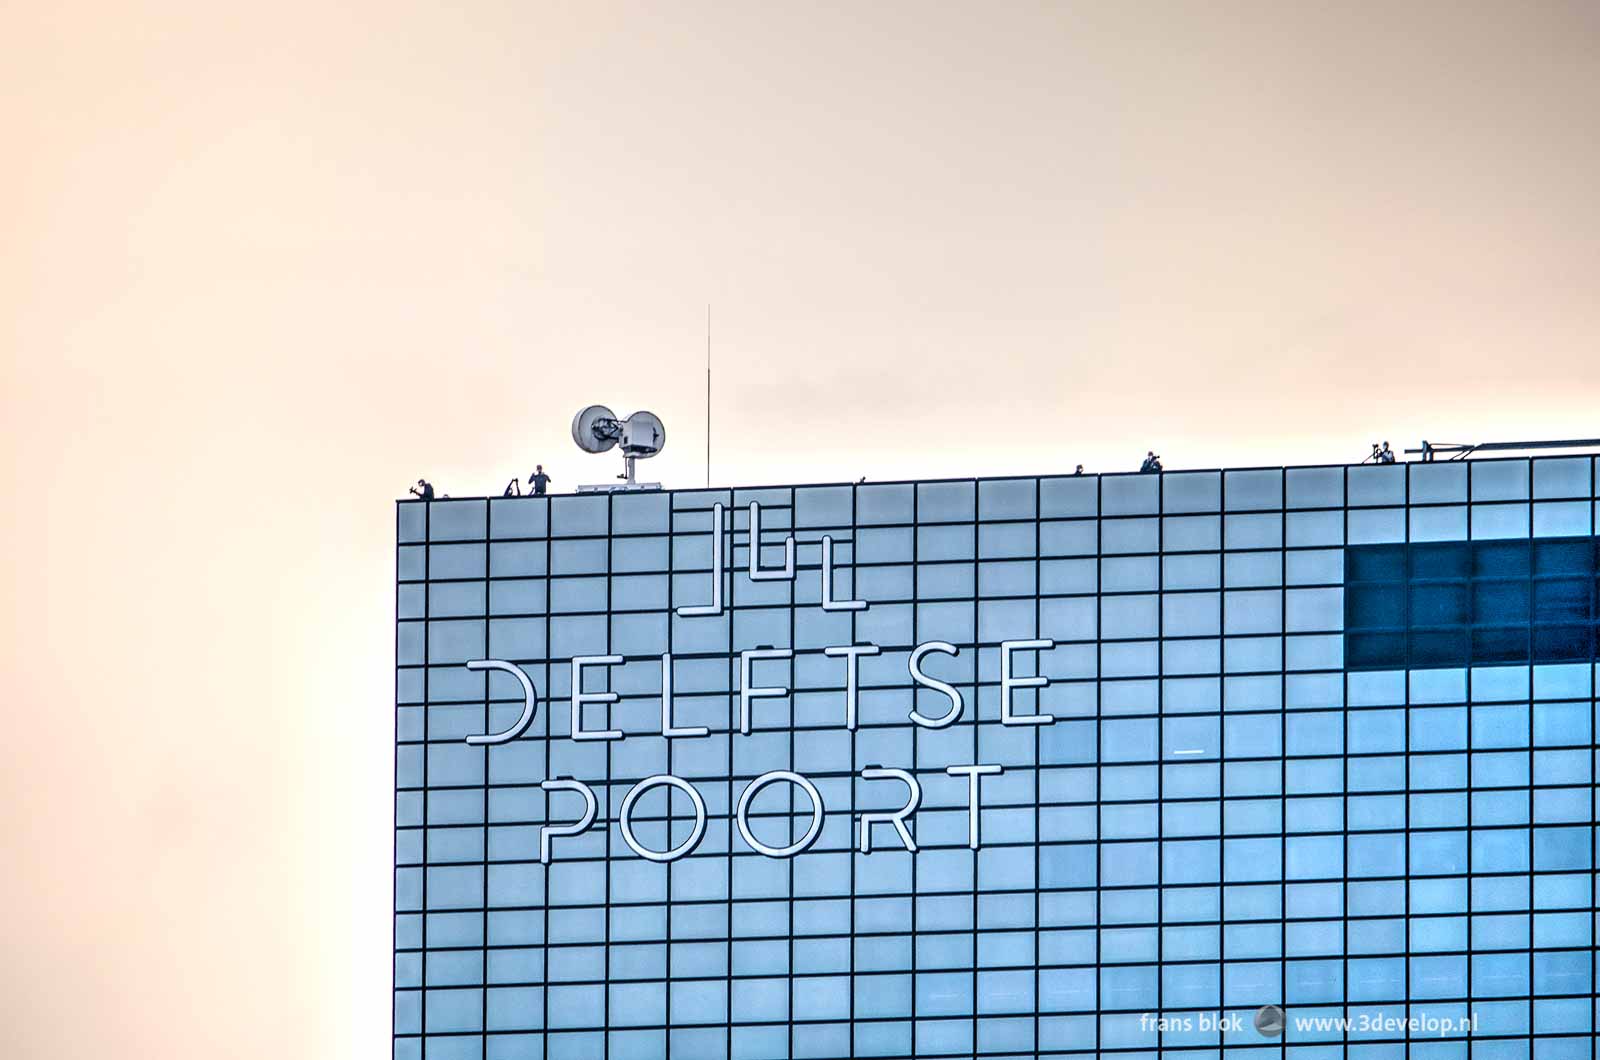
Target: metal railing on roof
(1431, 451)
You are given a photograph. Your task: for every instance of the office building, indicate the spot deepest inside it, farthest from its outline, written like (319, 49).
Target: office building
(1168, 747)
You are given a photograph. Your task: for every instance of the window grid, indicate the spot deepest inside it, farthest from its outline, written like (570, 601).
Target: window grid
(1543, 770)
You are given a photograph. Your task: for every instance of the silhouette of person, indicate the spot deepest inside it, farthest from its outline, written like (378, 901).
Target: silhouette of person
(1152, 462)
(538, 481)
(1079, 471)
(1386, 455)
(423, 489)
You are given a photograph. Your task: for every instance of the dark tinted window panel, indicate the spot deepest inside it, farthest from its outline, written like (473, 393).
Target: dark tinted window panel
(1449, 560)
(1563, 555)
(1562, 643)
(1375, 563)
(1463, 603)
(1439, 648)
(1375, 607)
(1500, 559)
(1376, 651)
(1561, 600)
(1500, 602)
(1503, 647)
(1439, 605)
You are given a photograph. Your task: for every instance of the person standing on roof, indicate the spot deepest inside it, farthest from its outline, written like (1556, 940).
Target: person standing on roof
(538, 481)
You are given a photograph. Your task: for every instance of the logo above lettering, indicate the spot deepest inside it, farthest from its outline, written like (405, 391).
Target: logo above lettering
(758, 573)
(780, 574)
(530, 701)
(715, 606)
(828, 602)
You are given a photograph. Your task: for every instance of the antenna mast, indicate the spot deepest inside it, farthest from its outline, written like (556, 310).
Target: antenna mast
(708, 396)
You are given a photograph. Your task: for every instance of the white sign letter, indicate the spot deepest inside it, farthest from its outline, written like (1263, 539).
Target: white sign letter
(715, 606)
(828, 602)
(742, 815)
(851, 680)
(578, 827)
(898, 817)
(914, 664)
(668, 729)
(579, 697)
(1007, 683)
(746, 693)
(625, 817)
(972, 774)
(783, 573)
(530, 700)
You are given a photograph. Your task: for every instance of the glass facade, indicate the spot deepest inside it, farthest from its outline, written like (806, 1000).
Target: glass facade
(1169, 748)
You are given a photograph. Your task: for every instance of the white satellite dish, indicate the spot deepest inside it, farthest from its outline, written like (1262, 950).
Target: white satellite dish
(641, 436)
(596, 429)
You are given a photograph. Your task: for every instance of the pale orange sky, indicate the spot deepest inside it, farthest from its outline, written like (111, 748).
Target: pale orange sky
(261, 266)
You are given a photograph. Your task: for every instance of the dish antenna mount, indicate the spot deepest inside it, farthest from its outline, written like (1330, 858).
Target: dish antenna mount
(640, 436)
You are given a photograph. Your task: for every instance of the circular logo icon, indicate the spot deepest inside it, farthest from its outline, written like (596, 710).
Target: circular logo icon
(1270, 1021)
